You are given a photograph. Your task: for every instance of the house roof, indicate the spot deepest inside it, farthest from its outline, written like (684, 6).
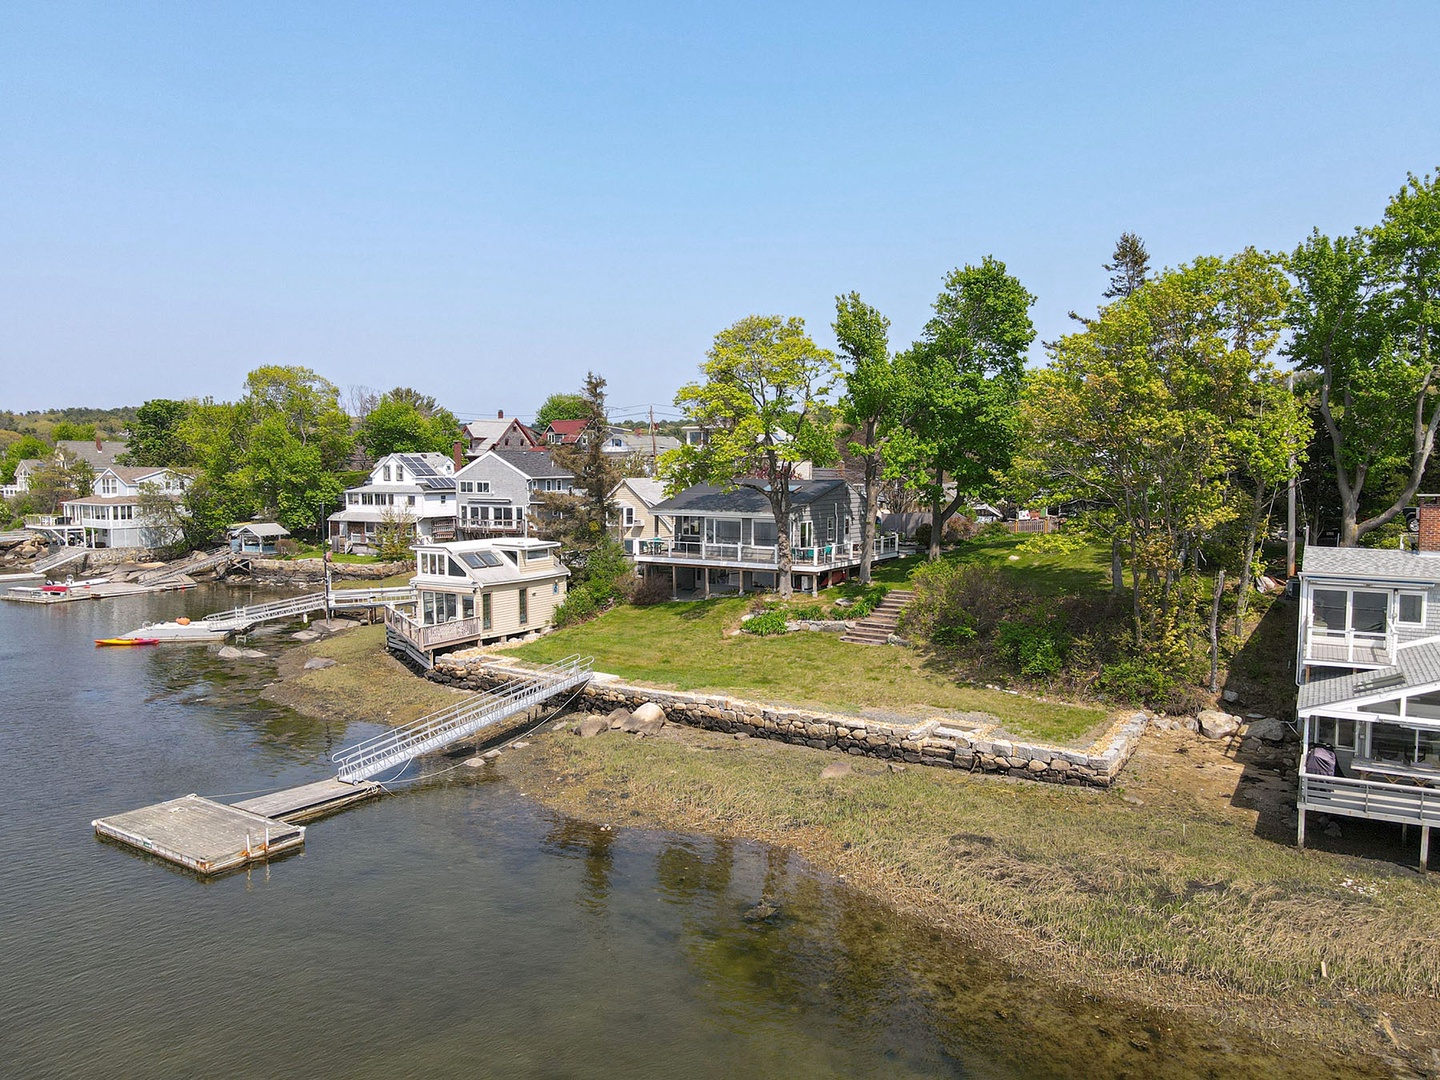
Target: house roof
(746, 499)
(263, 529)
(485, 563)
(85, 450)
(1416, 667)
(638, 442)
(132, 474)
(647, 489)
(536, 464)
(488, 432)
(1372, 563)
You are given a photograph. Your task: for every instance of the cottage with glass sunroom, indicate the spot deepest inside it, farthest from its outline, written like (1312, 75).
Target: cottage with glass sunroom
(475, 592)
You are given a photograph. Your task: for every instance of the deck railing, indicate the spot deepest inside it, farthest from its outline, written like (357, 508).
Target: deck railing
(438, 635)
(1405, 804)
(1348, 646)
(820, 555)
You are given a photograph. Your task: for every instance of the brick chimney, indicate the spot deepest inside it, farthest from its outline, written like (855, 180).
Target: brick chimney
(1428, 538)
(499, 414)
(98, 444)
(457, 454)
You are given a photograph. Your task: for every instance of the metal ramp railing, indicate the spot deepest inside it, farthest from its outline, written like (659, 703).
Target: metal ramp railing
(179, 569)
(440, 729)
(241, 617)
(63, 557)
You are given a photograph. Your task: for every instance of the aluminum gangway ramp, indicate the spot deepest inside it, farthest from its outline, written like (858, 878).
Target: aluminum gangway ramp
(242, 618)
(374, 756)
(188, 566)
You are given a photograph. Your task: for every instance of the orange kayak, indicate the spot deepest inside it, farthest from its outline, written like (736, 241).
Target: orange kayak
(127, 641)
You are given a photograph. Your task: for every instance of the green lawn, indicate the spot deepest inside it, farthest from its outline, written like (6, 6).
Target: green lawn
(690, 646)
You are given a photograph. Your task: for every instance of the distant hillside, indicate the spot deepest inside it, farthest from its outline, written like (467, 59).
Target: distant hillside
(109, 423)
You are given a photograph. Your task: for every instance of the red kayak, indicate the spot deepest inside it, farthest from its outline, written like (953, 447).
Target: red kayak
(127, 641)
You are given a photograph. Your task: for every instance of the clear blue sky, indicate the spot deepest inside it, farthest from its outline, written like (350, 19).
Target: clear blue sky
(486, 201)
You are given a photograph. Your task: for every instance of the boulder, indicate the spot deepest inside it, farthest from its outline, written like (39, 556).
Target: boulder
(650, 727)
(591, 726)
(617, 718)
(1214, 724)
(306, 635)
(318, 662)
(1269, 729)
(835, 770)
(650, 712)
(230, 652)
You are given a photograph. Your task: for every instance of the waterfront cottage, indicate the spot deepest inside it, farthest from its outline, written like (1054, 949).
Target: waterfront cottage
(474, 592)
(712, 540)
(129, 507)
(256, 537)
(498, 490)
(411, 492)
(1368, 665)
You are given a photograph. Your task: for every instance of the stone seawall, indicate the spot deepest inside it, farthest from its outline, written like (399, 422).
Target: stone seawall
(931, 742)
(312, 571)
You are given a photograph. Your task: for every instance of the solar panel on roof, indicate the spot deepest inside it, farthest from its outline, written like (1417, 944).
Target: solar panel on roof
(417, 465)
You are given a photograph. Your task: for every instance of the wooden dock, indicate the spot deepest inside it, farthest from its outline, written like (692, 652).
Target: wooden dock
(309, 801)
(211, 837)
(201, 834)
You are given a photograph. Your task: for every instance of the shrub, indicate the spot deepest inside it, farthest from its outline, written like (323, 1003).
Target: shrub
(765, 624)
(578, 606)
(811, 612)
(1137, 679)
(1050, 544)
(1036, 650)
(866, 602)
(653, 589)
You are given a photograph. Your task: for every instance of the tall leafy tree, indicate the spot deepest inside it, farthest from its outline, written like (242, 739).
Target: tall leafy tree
(561, 407)
(868, 403)
(584, 527)
(396, 425)
(763, 405)
(154, 435)
(1366, 321)
(961, 388)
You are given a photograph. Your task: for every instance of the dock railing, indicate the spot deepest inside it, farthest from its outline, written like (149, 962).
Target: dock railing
(440, 729)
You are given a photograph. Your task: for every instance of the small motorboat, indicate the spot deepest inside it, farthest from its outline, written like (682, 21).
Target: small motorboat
(127, 641)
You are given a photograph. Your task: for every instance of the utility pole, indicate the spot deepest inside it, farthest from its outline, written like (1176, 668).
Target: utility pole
(1290, 515)
(653, 452)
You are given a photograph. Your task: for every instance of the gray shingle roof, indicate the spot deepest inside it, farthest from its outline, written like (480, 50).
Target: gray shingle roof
(534, 463)
(709, 499)
(1370, 563)
(1416, 666)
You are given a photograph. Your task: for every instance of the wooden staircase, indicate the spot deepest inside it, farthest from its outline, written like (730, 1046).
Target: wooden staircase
(876, 628)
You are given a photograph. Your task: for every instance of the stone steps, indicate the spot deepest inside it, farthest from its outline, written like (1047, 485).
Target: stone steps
(876, 628)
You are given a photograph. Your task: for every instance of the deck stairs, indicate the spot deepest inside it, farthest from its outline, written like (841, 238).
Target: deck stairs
(242, 618)
(440, 729)
(876, 628)
(213, 561)
(64, 557)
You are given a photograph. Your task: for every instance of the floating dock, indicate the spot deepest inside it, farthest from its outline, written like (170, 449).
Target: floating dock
(212, 837)
(201, 834)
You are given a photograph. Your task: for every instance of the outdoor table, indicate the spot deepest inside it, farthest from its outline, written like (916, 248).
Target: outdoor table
(1396, 772)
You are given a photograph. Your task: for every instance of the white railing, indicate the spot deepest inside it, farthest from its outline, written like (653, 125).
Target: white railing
(1402, 803)
(887, 546)
(1348, 646)
(437, 635)
(457, 722)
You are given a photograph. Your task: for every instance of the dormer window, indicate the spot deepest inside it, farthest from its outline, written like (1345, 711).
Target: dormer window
(385, 474)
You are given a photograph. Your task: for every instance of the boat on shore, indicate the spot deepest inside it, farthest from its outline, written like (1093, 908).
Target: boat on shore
(179, 630)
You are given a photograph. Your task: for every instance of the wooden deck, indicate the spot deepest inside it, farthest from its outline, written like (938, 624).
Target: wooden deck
(201, 834)
(309, 801)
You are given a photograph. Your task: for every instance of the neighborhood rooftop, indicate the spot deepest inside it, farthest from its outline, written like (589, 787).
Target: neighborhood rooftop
(748, 498)
(1372, 563)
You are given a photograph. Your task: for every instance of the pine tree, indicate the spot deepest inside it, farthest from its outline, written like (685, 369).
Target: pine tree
(1130, 268)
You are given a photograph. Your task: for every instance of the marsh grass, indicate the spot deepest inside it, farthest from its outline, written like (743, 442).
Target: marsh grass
(1168, 889)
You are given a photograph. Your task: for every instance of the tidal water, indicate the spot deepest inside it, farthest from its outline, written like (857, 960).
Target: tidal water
(456, 928)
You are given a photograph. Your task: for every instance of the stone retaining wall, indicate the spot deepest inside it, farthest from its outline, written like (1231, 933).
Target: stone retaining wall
(931, 742)
(312, 571)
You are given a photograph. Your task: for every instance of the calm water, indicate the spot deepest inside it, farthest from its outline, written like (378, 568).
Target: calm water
(455, 929)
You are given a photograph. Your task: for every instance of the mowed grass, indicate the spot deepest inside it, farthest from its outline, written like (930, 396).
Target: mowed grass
(691, 646)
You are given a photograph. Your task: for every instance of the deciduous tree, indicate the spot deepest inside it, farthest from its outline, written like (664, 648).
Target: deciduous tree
(868, 403)
(763, 406)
